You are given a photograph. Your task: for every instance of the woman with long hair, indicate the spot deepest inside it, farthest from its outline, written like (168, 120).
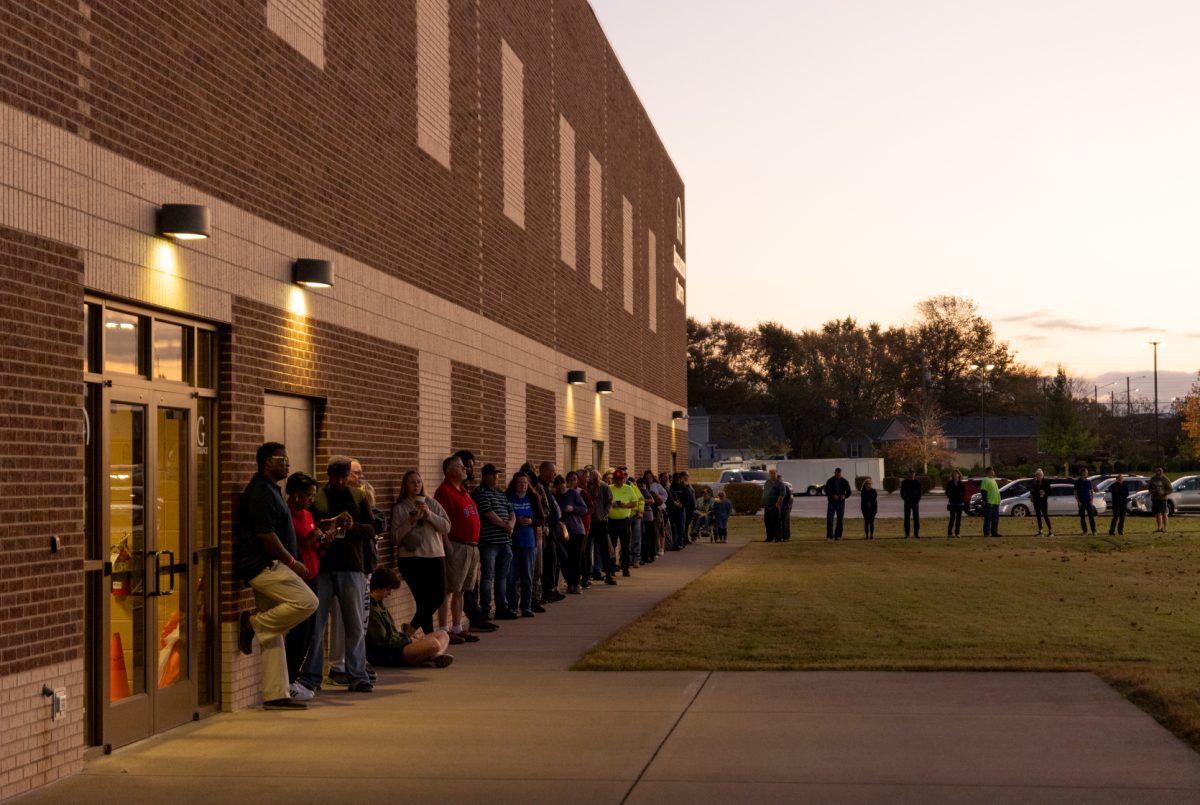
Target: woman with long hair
(419, 529)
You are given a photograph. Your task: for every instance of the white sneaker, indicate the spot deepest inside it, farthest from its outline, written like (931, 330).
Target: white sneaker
(301, 693)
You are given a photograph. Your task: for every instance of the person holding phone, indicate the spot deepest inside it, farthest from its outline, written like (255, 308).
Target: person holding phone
(419, 528)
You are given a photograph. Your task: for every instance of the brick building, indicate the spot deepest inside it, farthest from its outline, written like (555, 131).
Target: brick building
(497, 210)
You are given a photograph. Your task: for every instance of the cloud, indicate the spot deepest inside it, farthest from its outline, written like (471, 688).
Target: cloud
(1088, 327)
(1037, 314)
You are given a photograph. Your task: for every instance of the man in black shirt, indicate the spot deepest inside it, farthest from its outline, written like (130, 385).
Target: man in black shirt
(910, 493)
(267, 561)
(837, 489)
(1120, 494)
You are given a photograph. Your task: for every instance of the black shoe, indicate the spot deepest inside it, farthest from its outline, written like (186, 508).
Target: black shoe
(625, 571)
(340, 678)
(597, 577)
(246, 635)
(483, 626)
(527, 614)
(361, 687)
(610, 581)
(284, 704)
(555, 595)
(507, 615)
(538, 608)
(371, 675)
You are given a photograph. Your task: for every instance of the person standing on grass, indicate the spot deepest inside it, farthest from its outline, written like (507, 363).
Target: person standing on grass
(785, 513)
(772, 504)
(1120, 494)
(722, 511)
(1160, 490)
(1039, 494)
(910, 493)
(837, 489)
(869, 504)
(956, 499)
(1085, 495)
(991, 504)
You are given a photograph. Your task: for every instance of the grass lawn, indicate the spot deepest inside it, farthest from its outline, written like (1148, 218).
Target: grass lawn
(1127, 608)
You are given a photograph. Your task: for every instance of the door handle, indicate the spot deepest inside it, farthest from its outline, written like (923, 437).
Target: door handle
(171, 570)
(157, 573)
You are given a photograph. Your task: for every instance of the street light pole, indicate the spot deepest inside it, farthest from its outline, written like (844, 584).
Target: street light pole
(1157, 443)
(983, 443)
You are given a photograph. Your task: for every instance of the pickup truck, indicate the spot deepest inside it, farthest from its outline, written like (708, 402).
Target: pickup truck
(739, 477)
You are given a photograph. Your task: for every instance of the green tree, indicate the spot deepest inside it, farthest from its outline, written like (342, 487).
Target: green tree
(1063, 433)
(1189, 414)
(720, 368)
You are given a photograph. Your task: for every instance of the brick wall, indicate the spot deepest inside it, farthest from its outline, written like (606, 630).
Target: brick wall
(370, 391)
(666, 444)
(540, 429)
(477, 414)
(233, 110)
(641, 446)
(41, 496)
(617, 455)
(41, 457)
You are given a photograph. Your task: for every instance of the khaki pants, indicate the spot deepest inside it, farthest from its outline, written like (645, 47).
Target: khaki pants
(283, 601)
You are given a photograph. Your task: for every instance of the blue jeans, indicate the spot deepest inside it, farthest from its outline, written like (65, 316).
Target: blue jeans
(347, 586)
(521, 573)
(835, 511)
(635, 539)
(991, 519)
(493, 566)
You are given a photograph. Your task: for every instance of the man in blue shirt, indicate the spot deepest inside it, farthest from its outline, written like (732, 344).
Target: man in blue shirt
(1085, 495)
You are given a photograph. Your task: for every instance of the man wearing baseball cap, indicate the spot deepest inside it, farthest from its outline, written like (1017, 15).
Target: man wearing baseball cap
(626, 499)
(496, 524)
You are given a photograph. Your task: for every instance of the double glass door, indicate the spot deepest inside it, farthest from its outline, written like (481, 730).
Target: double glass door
(148, 442)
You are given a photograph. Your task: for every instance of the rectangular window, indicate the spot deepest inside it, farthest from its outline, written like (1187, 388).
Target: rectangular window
(595, 221)
(168, 352)
(652, 246)
(122, 343)
(566, 191)
(570, 453)
(680, 265)
(433, 79)
(856, 450)
(951, 444)
(598, 455)
(680, 296)
(627, 251)
(512, 82)
(300, 23)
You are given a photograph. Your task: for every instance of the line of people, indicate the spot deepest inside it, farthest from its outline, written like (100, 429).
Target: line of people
(470, 554)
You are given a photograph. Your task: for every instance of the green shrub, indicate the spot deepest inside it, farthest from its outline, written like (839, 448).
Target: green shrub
(859, 480)
(746, 498)
(891, 483)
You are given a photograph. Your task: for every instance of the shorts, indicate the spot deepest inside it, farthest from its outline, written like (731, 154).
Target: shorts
(1158, 506)
(462, 567)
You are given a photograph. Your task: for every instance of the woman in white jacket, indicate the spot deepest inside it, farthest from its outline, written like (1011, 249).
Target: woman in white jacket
(419, 529)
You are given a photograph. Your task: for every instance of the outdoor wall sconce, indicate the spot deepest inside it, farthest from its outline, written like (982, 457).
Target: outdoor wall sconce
(184, 221)
(313, 273)
(576, 377)
(677, 415)
(604, 387)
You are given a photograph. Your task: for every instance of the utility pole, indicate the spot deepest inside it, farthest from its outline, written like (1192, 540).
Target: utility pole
(1128, 399)
(1157, 443)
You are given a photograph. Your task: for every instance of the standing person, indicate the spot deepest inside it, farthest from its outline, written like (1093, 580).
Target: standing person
(462, 545)
(496, 524)
(336, 648)
(722, 511)
(624, 506)
(1085, 495)
(1160, 491)
(341, 578)
(659, 492)
(869, 506)
(479, 621)
(1120, 494)
(266, 560)
(785, 512)
(586, 552)
(573, 508)
(553, 551)
(419, 529)
(837, 489)
(311, 539)
(520, 581)
(677, 509)
(772, 504)
(991, 504)
(956, 501)
(1039, 495)
(598, 533)
(910, 493)
(689, 503)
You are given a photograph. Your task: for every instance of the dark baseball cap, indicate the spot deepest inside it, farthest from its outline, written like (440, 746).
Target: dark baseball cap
(489, 469)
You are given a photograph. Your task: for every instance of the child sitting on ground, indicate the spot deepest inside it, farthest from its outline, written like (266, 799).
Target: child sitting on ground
(387, 645)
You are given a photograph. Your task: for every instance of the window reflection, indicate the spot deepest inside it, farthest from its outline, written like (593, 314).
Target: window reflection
(168, 351)
(121, 343)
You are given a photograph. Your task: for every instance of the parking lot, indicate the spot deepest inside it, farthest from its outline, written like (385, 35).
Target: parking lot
(889, 506)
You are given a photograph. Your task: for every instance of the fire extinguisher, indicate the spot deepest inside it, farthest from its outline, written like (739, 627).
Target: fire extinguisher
(121, 566)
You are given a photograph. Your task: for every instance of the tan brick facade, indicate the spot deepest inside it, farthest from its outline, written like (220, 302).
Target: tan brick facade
(449, 326)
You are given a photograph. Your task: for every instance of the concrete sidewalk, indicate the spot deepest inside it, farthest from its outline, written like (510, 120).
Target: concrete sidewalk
(509, 723)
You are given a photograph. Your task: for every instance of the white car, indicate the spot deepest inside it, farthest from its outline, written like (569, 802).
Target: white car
(1185, 496)
(739, 477)
(1060, 502)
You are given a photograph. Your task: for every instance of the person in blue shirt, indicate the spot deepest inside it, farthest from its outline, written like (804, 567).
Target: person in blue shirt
(524, 544)
(1085, 495)
(722, 511)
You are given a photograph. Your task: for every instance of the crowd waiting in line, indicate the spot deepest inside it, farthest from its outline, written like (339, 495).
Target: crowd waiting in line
(777, 502)
(470, 554)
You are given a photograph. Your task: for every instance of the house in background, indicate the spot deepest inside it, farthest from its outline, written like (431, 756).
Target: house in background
(973, 441)
(717, 437)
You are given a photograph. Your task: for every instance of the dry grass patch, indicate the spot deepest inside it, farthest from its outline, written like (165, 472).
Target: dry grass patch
(1128, 609)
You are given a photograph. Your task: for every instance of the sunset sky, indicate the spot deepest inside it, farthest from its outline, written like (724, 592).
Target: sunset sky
(852, 157)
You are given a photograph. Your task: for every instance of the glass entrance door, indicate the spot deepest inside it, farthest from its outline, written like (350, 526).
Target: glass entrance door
(150, 495)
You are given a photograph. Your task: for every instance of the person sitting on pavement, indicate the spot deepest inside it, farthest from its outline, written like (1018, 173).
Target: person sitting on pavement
(392, 647)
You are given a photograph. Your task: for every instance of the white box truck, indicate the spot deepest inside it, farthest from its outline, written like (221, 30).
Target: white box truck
(808, 475)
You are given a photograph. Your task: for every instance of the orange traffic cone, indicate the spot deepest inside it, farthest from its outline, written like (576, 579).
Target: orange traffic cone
(118, 679)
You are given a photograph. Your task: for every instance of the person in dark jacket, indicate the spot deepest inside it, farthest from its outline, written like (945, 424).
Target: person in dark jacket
(870, 507)
(837, 489)
(1039, 495)
(956, 500)
(1120, 494)
(910, 493)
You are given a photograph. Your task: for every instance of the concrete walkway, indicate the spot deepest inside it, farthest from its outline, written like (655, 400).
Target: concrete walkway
(509, 723)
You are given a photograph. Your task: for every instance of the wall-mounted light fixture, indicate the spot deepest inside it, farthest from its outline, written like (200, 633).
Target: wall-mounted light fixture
(184, 221)
(604, 387)
(576, 377)
(677, 415)
(313, 273)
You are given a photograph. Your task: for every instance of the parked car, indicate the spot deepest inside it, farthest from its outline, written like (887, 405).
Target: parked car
(1185, 496)
(1061, 501)
(739, 477)
(1133, 483)
(1008, 489)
